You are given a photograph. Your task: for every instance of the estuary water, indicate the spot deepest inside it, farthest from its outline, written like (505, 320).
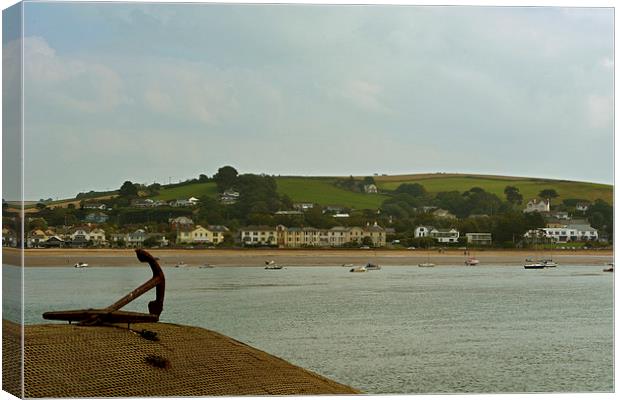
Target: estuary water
(448, 329)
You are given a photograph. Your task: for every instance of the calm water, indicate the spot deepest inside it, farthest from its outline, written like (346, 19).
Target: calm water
(398, 330)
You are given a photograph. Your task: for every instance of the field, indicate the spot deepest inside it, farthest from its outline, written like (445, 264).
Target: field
(186, 191)
(529, 187)
(322, 191)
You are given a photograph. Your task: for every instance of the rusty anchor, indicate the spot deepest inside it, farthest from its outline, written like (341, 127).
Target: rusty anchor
(112, 313)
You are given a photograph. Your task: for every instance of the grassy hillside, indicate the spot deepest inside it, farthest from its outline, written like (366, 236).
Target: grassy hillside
(186, 191)
(322, 191)
(529, 187)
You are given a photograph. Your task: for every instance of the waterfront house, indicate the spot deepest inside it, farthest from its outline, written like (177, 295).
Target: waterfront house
(36, 238)
(258, 235)
(376, 234)
(450, 235)
(97, 237)
(479, 238)
(212, 234)
(536, 205)
(135, 238)
(54, 241)
(568, 233)
(422, 231)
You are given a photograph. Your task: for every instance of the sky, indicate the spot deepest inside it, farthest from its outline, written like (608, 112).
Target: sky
(164, 92)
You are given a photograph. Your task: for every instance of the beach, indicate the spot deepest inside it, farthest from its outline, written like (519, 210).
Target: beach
(296, 257)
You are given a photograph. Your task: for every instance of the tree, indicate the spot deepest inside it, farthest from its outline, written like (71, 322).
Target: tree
(548, 194)
(128, 189)
(413, 189)
(512, 195)
(203, 178)
(40, 206)
(225, 178)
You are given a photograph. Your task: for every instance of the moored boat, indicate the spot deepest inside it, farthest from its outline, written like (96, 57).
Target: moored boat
(610, 269)
(472, 261)
(358, 269)
(272, 265)
(534, 265)
(371, 266)
(426, 264)
(80, 265)
(549, 263)
(181, 264)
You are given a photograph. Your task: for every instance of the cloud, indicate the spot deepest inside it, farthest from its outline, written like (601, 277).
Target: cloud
(69, 83)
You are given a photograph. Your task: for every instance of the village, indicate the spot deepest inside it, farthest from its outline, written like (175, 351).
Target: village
(96, 230)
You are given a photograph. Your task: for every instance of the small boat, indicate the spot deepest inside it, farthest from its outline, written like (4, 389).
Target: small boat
(426, 265)
(358, 269)
(272, 265)
(348, 265)
(181, 264)
(207, 266)
(80, 265)
(534, 265)
(610, 269)
(371, 267)
(472, 261)
(549, 263)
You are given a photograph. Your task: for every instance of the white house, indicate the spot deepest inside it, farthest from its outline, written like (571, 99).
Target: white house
(450, 235)
(211, 234)
(259, 235)
(97, 236)
(303, 206)
(568, 233)
(582, 206)
(371, 188)
(422, 231)
(535, 205)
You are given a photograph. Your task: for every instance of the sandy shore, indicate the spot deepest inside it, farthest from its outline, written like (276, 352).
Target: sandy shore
(290, 257)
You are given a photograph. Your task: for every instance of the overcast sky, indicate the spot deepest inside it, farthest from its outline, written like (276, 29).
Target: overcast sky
(139, 92)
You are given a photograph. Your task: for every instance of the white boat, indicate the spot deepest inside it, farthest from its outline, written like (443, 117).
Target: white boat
(549, 263)
(371, 267)
(207, 266)
(426, 264)
(181, 264)
(533, 265)
(472, 261)
(358, 269)
(80, 265)
(272, 265)
(348, 265)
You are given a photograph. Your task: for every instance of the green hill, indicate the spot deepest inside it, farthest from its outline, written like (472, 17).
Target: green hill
(321, 190)
(529, 187)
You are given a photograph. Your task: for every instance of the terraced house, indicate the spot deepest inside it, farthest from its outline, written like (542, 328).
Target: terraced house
(311, 237)
(212, 234)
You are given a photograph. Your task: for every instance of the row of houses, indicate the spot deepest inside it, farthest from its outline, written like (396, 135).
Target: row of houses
(83, 236)
(338, 236)
(564, 234)
(451, 235)
(148, 203)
